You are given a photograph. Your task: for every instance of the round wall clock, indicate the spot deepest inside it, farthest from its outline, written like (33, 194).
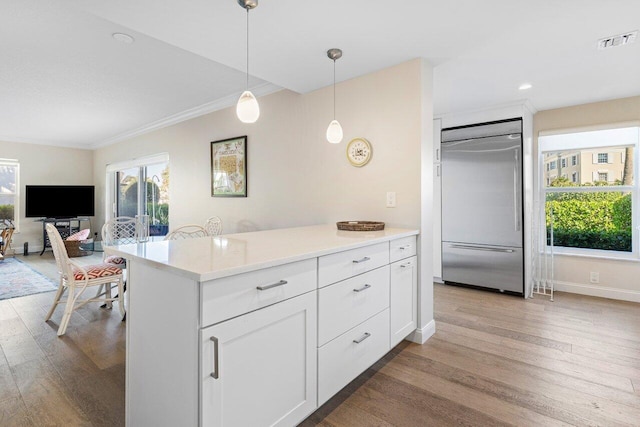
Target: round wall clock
(359, 152)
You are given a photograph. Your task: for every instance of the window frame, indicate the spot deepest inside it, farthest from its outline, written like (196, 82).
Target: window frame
(16, 195)
(603, 156)
(629, 136)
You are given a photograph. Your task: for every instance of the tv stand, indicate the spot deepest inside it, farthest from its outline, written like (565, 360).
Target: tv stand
(65, 226)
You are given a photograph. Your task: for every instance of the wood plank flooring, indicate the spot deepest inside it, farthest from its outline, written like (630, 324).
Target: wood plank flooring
(495, 360)
(501, 360)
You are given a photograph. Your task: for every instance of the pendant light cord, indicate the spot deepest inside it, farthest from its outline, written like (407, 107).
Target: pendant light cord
(334, 89)
(248, 49)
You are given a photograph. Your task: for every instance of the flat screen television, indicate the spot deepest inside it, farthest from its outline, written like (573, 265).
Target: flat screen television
(59, 201)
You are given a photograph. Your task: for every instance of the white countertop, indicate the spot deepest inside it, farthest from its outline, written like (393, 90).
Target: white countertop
(208, 258)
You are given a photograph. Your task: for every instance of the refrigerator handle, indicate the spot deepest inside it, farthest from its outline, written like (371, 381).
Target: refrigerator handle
(516, 187)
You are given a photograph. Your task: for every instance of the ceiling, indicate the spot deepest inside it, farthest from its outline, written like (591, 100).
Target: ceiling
(65, 81)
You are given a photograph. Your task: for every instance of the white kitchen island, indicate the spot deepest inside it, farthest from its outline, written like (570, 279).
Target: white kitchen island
(261, 328)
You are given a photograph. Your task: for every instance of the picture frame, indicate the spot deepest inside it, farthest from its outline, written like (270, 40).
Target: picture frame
(229, 167)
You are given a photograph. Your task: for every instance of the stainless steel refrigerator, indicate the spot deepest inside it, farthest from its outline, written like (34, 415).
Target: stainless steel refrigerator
(482, 210)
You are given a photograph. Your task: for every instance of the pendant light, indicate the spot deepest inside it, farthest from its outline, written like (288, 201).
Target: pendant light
(334, 131)
(247, 108)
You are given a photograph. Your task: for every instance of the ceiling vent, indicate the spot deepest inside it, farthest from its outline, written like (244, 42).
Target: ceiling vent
(619, 40)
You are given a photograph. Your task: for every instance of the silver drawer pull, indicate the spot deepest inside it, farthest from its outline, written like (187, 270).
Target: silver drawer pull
(364, 288)
(362, 338)
(215, 373)
(358, 261)
(406, 265)
(273, 285)
(404, 247)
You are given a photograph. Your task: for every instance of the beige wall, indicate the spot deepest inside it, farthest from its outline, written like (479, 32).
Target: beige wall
(295, 177)
(618, 279)
(45, 165)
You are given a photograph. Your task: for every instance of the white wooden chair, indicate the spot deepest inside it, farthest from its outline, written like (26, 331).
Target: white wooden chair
(75, 279)
(121, 230)
(187, 232)
(213, 226)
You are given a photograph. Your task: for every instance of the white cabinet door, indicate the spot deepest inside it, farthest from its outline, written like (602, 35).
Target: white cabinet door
(403, 299)
(260, 369)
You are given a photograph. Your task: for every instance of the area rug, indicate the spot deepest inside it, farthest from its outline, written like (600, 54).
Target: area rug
(17, 279)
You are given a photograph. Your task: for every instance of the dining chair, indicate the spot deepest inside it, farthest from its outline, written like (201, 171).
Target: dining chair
(75, 279)
(213, 226)
(187, 232)
(121, 230)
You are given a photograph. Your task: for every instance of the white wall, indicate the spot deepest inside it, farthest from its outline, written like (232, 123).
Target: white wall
(295, 177)
(45, 165)
(618, 279)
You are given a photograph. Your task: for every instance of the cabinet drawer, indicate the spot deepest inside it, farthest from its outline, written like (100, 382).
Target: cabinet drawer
(342, 265)
(235, 295)
(402, 248)
(343, 359)
(346, 304)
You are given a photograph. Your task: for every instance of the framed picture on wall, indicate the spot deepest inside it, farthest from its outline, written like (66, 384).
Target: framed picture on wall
(229, 167)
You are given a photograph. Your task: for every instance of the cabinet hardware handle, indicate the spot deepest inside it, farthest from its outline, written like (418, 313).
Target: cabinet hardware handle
(404, 247)
(358, 261)
(364, 288)
(480, 248)
(362, 338)
(215, 374)
(273, 285)
(405, 265)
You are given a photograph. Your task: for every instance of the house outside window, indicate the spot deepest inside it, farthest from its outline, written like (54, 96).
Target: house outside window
(593, 212)
(9, 192)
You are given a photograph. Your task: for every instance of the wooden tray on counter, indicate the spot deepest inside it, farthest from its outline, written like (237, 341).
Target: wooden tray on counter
(360, 225)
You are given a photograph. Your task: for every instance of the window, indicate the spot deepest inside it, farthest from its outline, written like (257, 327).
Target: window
(150, 200)
(563, 163)
(574, 160)
(552, 165)
(9, 187)
(591, 213)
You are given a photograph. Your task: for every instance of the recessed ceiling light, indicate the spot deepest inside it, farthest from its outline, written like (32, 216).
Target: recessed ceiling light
(525, 86)
(124, 38)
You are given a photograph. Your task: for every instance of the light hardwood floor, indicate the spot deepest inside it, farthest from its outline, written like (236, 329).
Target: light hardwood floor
(494, 360)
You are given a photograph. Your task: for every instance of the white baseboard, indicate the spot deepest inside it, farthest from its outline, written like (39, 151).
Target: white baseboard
(438, 280)
(598, 291)
(420, 336)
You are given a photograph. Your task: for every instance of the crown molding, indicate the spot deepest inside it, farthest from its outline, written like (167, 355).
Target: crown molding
(201, 110)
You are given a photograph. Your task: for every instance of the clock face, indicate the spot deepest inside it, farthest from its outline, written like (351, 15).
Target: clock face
(359, 152)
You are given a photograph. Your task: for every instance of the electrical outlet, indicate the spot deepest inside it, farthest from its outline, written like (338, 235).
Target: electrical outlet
(595, 277)
(391, 199)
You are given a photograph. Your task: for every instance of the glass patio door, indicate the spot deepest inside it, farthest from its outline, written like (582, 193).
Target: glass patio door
(149, 200)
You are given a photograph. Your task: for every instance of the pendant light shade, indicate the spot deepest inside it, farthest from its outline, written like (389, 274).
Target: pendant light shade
(247, 108)
(334, 131)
